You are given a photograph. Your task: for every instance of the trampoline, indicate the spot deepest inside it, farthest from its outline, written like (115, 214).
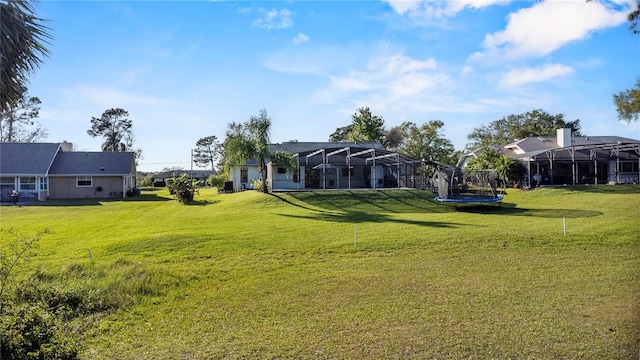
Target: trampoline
(466, 186)
(470, 199)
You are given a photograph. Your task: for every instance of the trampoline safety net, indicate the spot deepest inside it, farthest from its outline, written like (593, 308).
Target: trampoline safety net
(466, 185)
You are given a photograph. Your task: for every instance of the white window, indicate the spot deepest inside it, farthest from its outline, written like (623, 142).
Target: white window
(244, 175)
(27, 182)
(7, 184)
(84, 181)
(43, 183)
(7, 181)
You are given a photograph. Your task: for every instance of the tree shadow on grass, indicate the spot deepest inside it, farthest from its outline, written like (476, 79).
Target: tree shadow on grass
(511, 210)
(373, 201)
(606, 189)
(420, 200)
(359, 217)
(97, 201)
(370, 206)
(202, 202)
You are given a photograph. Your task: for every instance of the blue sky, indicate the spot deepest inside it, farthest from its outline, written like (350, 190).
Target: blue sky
(185, 69)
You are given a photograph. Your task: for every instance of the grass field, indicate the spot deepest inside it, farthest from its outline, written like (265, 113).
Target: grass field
(352, 275)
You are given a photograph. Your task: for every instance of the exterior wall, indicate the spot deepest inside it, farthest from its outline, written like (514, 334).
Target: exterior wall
(66, 188)
(624, 172)
(26, 192)
(235, 172)
(284, 181)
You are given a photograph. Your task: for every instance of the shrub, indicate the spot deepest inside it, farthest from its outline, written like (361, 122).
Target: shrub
(146, 181)
(183, 188)
(32, 332)
(217, 180)
(257, 184)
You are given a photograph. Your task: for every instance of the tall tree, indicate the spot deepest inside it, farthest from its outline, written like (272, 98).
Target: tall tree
(628, 103)
(207, 151)
(515, 127)
(367, 127)
(18, 124)
(22, 48)
(115, 126)
(427, 142)
(341, 134)
(393, 138)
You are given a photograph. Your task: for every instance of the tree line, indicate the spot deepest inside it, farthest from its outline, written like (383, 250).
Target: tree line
(25, 47)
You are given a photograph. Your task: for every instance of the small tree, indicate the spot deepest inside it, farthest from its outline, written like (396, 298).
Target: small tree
(217, 181)
(507, 169)
(183, 188)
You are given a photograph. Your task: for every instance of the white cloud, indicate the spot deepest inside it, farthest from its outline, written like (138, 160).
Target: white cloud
(439, 8)
(548, 26)
(274, 19)
(300, 38)
(530, 75)
(404, 6)
(390, 80)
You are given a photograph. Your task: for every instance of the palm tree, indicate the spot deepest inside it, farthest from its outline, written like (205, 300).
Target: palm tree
(251, 140)
(23, 40)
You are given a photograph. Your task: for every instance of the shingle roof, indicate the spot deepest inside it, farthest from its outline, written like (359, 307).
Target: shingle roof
(93, 163)
(26, 158)
(541, 144)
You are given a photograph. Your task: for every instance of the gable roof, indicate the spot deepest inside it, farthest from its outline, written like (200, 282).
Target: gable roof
(93, 163)
(27, 158)
(534, 146)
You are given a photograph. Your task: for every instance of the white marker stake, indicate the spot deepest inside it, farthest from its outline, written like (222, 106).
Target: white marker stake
(355, 237)
(564, 226)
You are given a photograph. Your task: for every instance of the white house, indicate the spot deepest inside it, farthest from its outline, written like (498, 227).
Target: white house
(333, 165)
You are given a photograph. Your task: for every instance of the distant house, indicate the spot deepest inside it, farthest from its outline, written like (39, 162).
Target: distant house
(160, 179)
(567, 160)
(333, 165)
(41, 171)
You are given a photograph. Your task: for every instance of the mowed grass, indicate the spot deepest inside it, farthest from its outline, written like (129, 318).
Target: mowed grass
(360, 274)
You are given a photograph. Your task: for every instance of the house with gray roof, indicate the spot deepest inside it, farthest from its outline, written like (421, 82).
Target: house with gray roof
(333, 165)
(41, 171)
(567, 160)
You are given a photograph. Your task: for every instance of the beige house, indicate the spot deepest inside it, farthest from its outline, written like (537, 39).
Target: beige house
(41, 171)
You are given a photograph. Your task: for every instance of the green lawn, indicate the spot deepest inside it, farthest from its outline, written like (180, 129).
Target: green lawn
(346, 275)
